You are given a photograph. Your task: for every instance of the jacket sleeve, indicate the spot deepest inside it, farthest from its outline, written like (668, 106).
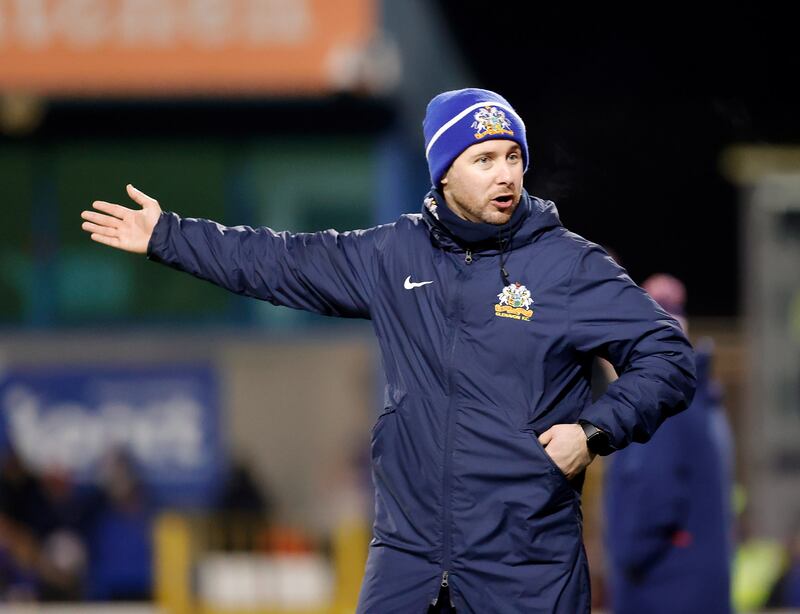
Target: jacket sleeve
(326, 272)
(612, 317)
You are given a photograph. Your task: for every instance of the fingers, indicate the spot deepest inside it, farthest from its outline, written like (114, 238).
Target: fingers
(110, 241)
(117, 211)
(100, 219)
(101, 230)
(546, 437)
(140, 197)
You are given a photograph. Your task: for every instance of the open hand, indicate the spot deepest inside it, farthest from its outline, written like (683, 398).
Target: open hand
(566, 445)
(120, 227)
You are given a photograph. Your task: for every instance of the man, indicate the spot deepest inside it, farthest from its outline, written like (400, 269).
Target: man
(487, 313)
(668, 504)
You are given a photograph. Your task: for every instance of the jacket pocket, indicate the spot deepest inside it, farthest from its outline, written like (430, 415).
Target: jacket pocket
(555, 470)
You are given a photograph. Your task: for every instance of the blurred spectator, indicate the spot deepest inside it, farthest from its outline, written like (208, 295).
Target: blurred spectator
(757, 567)
(19, 578)
(60, 520)
(245, 510)
(41, 541)
(18, 574)
(63, 565)
(62, 542)
(241, 494)
(786, 593)
(120, 535)
(19, 489)
(668, 517)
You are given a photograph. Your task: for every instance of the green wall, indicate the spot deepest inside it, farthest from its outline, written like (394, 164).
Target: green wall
(52, 274)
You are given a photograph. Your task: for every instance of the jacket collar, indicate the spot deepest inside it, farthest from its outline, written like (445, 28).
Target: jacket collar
(450, 232)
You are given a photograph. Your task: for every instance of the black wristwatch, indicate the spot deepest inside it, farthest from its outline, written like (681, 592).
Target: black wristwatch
(597, 439)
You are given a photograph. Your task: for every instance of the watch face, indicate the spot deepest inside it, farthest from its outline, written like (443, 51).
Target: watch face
(598, 442)
(596, 439)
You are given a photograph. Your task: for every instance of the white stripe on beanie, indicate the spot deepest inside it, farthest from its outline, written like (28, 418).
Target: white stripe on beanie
(461, 115)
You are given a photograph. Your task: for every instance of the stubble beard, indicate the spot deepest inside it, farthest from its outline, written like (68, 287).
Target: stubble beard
(490, 215)
(498, 218)
(486, 213)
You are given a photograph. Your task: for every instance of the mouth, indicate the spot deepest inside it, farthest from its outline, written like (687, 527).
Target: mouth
(504, 201)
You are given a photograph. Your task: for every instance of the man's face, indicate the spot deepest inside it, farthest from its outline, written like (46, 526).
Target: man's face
(484, 183)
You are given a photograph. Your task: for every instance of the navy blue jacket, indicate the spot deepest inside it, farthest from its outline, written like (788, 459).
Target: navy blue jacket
(476, 367)
(668, 514)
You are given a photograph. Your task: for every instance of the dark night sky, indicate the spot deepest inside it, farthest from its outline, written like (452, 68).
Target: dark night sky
(627, 117)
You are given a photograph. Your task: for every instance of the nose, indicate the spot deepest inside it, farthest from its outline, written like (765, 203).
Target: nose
(504, 174)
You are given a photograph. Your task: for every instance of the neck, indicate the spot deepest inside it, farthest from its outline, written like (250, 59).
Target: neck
(450, 204)
(471, 233)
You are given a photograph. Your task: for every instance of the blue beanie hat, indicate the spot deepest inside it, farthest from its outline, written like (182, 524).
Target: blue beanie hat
(456, 119)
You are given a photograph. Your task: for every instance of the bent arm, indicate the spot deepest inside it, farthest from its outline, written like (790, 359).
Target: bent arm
(614, 318)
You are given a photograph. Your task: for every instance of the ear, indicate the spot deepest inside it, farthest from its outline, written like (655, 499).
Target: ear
(443, 181)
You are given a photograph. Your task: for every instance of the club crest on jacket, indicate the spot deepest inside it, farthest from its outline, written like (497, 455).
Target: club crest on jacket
(491, 120)
(514, 302)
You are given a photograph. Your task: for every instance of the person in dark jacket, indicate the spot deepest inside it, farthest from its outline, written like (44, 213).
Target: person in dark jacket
(668, 503)
(488, 313)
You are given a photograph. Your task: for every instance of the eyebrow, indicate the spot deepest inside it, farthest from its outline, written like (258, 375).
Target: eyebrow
(491, 153)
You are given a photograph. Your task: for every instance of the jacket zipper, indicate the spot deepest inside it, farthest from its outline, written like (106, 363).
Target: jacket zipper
(444, 584)
(449, 434)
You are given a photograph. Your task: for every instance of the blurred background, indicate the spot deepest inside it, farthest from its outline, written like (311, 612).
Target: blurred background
(170, 447)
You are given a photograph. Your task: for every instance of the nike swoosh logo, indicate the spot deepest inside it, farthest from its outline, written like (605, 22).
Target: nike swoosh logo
(410, 285)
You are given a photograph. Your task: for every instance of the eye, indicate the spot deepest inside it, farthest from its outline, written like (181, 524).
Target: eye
(483, 160)
(514, 156)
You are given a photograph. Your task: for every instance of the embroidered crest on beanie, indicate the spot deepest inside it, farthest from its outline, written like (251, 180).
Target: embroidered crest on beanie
(456, 119)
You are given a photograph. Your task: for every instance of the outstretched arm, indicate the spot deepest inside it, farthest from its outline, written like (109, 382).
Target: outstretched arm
(126, 229)
(326, 272)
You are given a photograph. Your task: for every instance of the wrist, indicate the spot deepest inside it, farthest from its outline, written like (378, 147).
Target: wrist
(597, 440)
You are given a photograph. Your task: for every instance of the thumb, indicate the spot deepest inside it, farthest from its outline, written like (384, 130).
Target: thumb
(140, 197)
(546, 437)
